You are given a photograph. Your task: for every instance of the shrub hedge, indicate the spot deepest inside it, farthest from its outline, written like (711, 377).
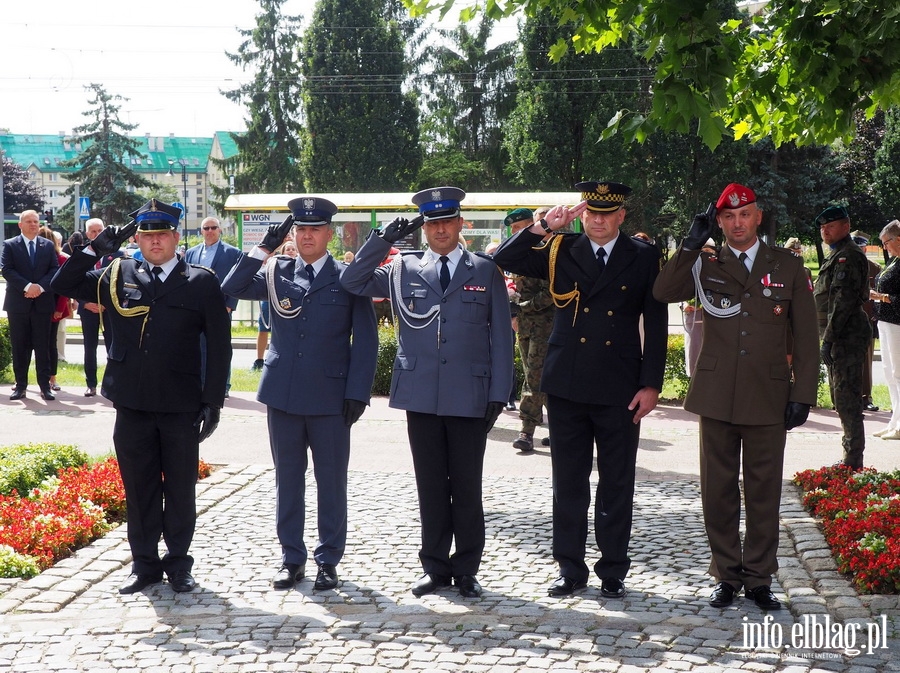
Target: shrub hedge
(24, 466)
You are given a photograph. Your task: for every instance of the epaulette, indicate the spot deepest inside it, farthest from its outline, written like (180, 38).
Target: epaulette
(641, 240)
(205, 268)
(417, 253)
(483, 255)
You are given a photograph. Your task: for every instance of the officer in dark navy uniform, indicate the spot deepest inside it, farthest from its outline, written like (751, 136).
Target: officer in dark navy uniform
(316, 379)
(600, 379)
(451, 375)
(157, 310)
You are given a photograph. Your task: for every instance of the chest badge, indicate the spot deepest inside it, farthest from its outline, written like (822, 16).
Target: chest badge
(725, 303)
(778, 310)
(285, 303)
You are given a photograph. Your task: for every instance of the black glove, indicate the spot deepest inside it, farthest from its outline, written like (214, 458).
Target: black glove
(111, 239)
(826, 353)
(353, 409)
(400, 227)
(207, 420)
(795, 415)
(494, 409)
(276, 233)
(701, 229)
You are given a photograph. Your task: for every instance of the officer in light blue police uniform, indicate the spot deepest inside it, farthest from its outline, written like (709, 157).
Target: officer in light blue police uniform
(316, 379)
(451, 375)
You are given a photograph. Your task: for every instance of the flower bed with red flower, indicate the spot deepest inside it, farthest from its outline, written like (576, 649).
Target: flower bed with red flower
(67, 512)
(860, 513)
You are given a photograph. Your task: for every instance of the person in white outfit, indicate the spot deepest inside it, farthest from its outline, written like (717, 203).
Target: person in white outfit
(887, 309)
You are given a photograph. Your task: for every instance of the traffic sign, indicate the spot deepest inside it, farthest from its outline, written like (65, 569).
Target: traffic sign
(180, 207)
(84, 207)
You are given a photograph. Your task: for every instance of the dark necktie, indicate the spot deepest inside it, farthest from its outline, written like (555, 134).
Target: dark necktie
(31, 251)
(157, 279)
(310, 273)
(743, 258)
(601, 259)
(445, 273)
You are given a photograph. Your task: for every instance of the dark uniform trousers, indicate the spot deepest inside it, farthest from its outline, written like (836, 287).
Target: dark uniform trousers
(575, 427)
(328, 439)
(721, 460)
(448, 457)
(150, 443)
(90, 330)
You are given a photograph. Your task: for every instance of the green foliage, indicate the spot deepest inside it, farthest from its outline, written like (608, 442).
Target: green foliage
(886, 176)
(353, 65)
(675, 378)
(13, 564)
(102, 168)
(268, 151)
(387, 352)
(19, 193)
(24, 466)
(798, 71)
(5, 345)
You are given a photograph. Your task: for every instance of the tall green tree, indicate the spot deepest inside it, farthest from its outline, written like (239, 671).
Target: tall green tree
(886, 174)
(266, 160)
(103, 167)
(469, 91)
(798, 71)
(362, 131)
(856, 164)
(19, 193)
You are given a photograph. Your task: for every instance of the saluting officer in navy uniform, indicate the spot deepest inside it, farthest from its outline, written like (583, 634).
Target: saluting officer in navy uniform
(316, 379)
(157, 310)
(451, 374)
(750, 384)
(599, 379)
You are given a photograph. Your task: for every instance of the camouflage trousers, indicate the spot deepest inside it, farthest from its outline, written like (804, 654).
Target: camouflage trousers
(533, 349)
(845, 379)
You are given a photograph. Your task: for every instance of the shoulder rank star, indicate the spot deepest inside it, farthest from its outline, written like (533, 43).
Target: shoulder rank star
(285, 303)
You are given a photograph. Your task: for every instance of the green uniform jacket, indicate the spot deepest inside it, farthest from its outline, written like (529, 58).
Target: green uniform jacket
(841, 290)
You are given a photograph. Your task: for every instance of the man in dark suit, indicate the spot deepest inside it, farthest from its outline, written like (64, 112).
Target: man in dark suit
(316, 380)
(215, 254)
(89, 312)
(157, 309)
(746, 390)
(29, 262)
(452, 375)
(600, 379)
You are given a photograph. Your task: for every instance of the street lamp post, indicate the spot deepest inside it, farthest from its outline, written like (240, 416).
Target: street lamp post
(184, 197)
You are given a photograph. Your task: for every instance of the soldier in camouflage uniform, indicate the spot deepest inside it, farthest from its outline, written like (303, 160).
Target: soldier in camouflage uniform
(841, 290)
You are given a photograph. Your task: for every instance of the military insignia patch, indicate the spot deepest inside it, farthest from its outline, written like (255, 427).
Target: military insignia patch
(778, 310)
(725, 303)
(284, 303)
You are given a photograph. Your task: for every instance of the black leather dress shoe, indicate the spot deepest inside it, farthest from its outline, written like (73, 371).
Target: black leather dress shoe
(545, 441)
(47, 394)
(722, 595)
(90, 392)
(870, 406)
(429, 583)
(468, 586)
(612, 587)
(326, 578)
(763, 597)
(288, 576)
(17, 394)
(565, 586)
(182, 581)
(139, 582)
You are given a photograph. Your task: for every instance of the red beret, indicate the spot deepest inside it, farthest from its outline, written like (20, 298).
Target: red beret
(735, 196)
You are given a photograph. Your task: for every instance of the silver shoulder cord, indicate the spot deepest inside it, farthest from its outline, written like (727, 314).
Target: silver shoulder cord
(405, 313)
(273, 298)
(714, 311)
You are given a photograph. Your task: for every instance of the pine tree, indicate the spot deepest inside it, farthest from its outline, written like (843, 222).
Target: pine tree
(266, 161)
(362, 132)
(103, 165)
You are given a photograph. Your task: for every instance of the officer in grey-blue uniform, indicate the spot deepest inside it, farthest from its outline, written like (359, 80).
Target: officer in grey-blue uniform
(451, 375)
(316, 379)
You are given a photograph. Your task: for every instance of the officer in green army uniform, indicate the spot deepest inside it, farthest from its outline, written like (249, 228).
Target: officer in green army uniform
(840, 292)
(535, 323)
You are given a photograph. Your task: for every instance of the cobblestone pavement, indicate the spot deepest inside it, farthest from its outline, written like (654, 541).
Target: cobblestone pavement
(72, 619)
